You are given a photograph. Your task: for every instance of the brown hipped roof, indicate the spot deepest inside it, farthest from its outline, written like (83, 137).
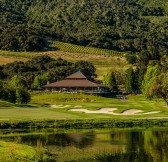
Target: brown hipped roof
(77, 75)
(73, 81)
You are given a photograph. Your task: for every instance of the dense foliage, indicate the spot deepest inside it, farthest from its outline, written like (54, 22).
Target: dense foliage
(43, 69)
(22, 38)
(155, 83)
(117, 24)
(110, 80)
(84, 124)
(15, 91)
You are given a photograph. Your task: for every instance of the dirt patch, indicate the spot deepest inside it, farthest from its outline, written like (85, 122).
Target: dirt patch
(5, 60)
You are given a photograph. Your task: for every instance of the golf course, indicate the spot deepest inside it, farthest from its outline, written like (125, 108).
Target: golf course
(52, 106)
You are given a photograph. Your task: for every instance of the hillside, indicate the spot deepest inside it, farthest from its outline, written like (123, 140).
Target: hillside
(118, 25)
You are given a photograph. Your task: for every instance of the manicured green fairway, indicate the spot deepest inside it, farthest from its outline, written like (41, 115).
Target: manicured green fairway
(56, 106)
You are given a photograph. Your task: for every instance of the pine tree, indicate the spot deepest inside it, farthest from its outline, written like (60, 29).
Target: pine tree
(130, 81)
(112, 82)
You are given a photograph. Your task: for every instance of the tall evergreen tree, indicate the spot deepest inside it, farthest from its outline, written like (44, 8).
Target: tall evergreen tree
(1, 90)
(130, 81)
(141, 73)
(112, 82)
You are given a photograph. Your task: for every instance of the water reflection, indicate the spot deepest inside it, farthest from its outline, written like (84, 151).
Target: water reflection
(100, 145)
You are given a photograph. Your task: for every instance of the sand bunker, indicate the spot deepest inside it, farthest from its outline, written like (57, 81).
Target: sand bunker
(77, 106)
(111, 111)
(131, 112)
(152, 112)
(59, 106)
(101, 111)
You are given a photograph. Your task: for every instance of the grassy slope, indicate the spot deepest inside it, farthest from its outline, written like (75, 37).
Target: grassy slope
(40, 107)
(103, 62)
(6, 60)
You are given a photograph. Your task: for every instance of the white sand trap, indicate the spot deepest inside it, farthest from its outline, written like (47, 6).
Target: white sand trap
(101, 111)
(77, 106)
(59, 106)
(152, 112)
(111, 111)
(131, 112)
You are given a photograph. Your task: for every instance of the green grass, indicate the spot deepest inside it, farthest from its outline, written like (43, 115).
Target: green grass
(18, 54)
(82, 49)
(40, 107)
(10, 152)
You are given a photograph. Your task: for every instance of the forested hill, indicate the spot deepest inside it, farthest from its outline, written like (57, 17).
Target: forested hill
(121, 25)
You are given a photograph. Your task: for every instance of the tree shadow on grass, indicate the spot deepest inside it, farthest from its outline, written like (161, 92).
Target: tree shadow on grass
(34, 105)
(26, 106)
(5, 105)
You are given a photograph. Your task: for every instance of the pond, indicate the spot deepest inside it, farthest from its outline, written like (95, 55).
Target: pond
(116, 145)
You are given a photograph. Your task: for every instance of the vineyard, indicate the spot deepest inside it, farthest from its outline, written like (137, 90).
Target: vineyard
(67, 47)
(103, 61)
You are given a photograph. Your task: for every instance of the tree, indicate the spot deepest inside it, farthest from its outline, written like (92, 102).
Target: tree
(136, 84)
(150, 75)
(155, 84)
(111, 81)
(18, 82)
(22, 96)
(130, 81)
(131, 57)
(40, 80)
(143, 57)
(85, 67)
(2, 76)
(7, 93)
(22, 38)
(1, 90)
(14, 68)
(20, 86)
(141, 72)
(159, 88)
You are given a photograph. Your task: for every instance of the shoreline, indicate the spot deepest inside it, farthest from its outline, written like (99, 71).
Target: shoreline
(84, 124)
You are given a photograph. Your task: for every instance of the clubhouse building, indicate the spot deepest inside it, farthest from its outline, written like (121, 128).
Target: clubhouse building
(77, 83)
